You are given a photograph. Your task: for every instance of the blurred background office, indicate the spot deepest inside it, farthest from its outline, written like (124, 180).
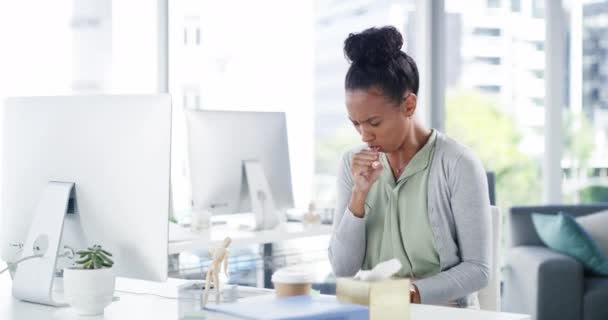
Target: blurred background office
(523, 82)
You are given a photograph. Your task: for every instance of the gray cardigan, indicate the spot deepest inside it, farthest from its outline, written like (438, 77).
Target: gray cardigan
(459, 214)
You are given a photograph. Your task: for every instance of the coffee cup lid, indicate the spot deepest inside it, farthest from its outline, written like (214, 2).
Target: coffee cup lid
(293, 275)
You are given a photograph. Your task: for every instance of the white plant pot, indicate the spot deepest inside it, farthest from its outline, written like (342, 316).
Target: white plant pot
(88, 291)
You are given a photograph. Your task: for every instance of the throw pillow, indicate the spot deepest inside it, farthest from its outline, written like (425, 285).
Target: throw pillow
(563, 234)
(596, 225)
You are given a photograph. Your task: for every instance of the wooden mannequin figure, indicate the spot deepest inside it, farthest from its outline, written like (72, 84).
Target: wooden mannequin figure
(218, 256)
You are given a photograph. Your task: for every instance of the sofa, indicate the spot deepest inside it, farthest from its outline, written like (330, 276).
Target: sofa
(544, 283)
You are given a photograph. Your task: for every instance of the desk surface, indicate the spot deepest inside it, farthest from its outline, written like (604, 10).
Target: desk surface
(132, 306)
(239, 228)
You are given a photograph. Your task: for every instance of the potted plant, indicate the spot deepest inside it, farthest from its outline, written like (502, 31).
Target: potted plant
(89, 285)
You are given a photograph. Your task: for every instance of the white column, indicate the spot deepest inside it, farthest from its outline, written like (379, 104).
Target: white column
(163, 46)
(430, 47)
(576, 57)
(555, 53)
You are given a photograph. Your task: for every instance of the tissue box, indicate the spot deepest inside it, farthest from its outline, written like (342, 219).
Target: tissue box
(387, 299)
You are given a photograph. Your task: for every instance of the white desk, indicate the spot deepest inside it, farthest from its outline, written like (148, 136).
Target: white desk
(132, 306)
(181, 239)
(239, 228)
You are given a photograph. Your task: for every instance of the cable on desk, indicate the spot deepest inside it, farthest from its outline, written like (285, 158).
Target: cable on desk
(158, 295)
(229, 294)
(11, 264)
(68, 252)
(153, 294)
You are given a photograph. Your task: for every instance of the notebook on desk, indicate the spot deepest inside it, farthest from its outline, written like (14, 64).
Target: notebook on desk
(268, 307)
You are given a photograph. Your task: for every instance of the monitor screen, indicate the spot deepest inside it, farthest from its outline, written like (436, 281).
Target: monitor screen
(220, 142)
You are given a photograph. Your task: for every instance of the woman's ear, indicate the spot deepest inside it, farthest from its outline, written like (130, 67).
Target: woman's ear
(409, 104)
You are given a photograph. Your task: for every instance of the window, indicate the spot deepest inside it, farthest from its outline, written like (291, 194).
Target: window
(258, 59)
(539, 102)
(540, 74)
(538, 9)
(498, 90)
(516, 5)
(538, 45)
(489, 89)
(585, 149)
(334, 134)
(489, 32)
(487, 60)
(493, 3)
(251, 56)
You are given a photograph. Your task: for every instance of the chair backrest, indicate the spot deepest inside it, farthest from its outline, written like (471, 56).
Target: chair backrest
(491, 187)
(489, 297)
(522, 231)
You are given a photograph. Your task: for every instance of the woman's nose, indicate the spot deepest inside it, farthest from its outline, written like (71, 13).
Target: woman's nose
(367, 136)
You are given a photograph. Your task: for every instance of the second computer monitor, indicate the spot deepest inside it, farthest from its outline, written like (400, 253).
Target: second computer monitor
(221, 143)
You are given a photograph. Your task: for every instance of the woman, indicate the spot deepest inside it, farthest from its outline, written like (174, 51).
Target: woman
(411, 193)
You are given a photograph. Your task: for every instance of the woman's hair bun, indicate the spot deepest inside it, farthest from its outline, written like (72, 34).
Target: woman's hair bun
(374, 46)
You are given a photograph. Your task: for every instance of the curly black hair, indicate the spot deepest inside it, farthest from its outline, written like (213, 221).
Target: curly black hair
(377, 61)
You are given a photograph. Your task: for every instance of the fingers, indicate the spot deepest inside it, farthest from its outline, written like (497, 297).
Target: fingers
(362, 170)
(366, 155)
(368, 170)
(373, 175)
(364, 158)
(366, 163)
(376, 165)
(362, 163)
(361, 166)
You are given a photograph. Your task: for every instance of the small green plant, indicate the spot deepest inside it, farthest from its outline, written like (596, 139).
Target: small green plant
(94, 257)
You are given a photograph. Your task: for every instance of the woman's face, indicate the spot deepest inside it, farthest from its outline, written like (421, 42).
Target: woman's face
(382, 123)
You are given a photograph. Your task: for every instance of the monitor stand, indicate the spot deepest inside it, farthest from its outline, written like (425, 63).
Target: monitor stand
(33, 280)
(262, 201)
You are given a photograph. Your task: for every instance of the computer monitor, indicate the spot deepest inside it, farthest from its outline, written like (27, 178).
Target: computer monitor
(236, 154)
(111, 156)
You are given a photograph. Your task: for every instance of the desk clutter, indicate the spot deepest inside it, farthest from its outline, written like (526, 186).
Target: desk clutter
(190, 298)
(295, 307)
(291, 299)
(219, 257)
(311, 217)
(371, 295)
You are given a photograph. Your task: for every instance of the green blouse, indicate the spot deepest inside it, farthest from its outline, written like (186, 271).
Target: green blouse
(396, 218)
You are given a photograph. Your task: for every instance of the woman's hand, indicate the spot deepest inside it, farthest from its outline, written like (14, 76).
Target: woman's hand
(365, 169)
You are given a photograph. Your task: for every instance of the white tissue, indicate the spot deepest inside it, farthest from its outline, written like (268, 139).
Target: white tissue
(383, 270)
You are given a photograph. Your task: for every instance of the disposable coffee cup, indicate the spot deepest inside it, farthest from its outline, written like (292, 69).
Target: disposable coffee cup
(292, 281)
